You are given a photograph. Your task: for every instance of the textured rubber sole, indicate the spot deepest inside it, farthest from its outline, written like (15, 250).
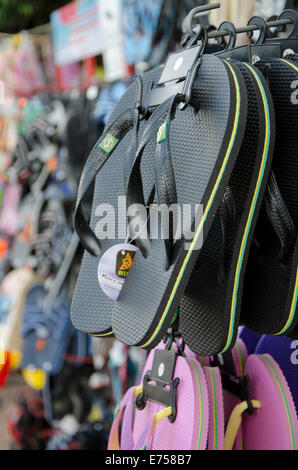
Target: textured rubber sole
(210, 309)
(271, 289)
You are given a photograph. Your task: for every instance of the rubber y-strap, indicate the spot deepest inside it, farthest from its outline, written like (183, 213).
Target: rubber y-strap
(226, 213)
(135, 193)
(167, 197)
(165, 184)
(98, 157)
(280, 218)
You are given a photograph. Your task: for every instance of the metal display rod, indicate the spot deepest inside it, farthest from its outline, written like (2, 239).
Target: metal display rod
(187, 25)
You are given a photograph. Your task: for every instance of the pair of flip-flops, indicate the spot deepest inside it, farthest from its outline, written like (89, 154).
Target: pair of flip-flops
(46, 327)
(208, 414)
(216, 152)
(150, 427)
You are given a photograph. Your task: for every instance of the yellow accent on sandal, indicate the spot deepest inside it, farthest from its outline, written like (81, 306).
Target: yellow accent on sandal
(235, 422)
(35, 378)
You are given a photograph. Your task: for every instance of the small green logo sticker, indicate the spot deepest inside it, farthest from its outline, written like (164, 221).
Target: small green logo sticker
(108, 143)
(162, 133)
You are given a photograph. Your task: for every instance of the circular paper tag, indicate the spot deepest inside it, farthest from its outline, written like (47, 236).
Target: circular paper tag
(113, 268)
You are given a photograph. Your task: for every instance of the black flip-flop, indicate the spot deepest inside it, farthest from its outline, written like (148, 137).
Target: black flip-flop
(293, 60)
(210, 308)
(105, 173)
(271, 283)
(196, 150)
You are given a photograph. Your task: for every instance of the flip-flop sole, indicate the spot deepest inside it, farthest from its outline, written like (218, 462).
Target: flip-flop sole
(285, 352)
(210, 309)
(216, 430)
(274, 426)
(270, 293)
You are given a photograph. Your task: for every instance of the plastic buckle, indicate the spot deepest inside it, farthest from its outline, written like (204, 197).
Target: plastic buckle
(162, 374)
(177, 77)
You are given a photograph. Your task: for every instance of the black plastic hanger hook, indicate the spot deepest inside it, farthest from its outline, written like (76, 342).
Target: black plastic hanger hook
(260, 22)
(291, 15)
(229, 27)
(188, 22)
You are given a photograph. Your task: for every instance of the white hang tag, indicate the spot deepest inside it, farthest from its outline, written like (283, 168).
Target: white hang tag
(114, 267)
